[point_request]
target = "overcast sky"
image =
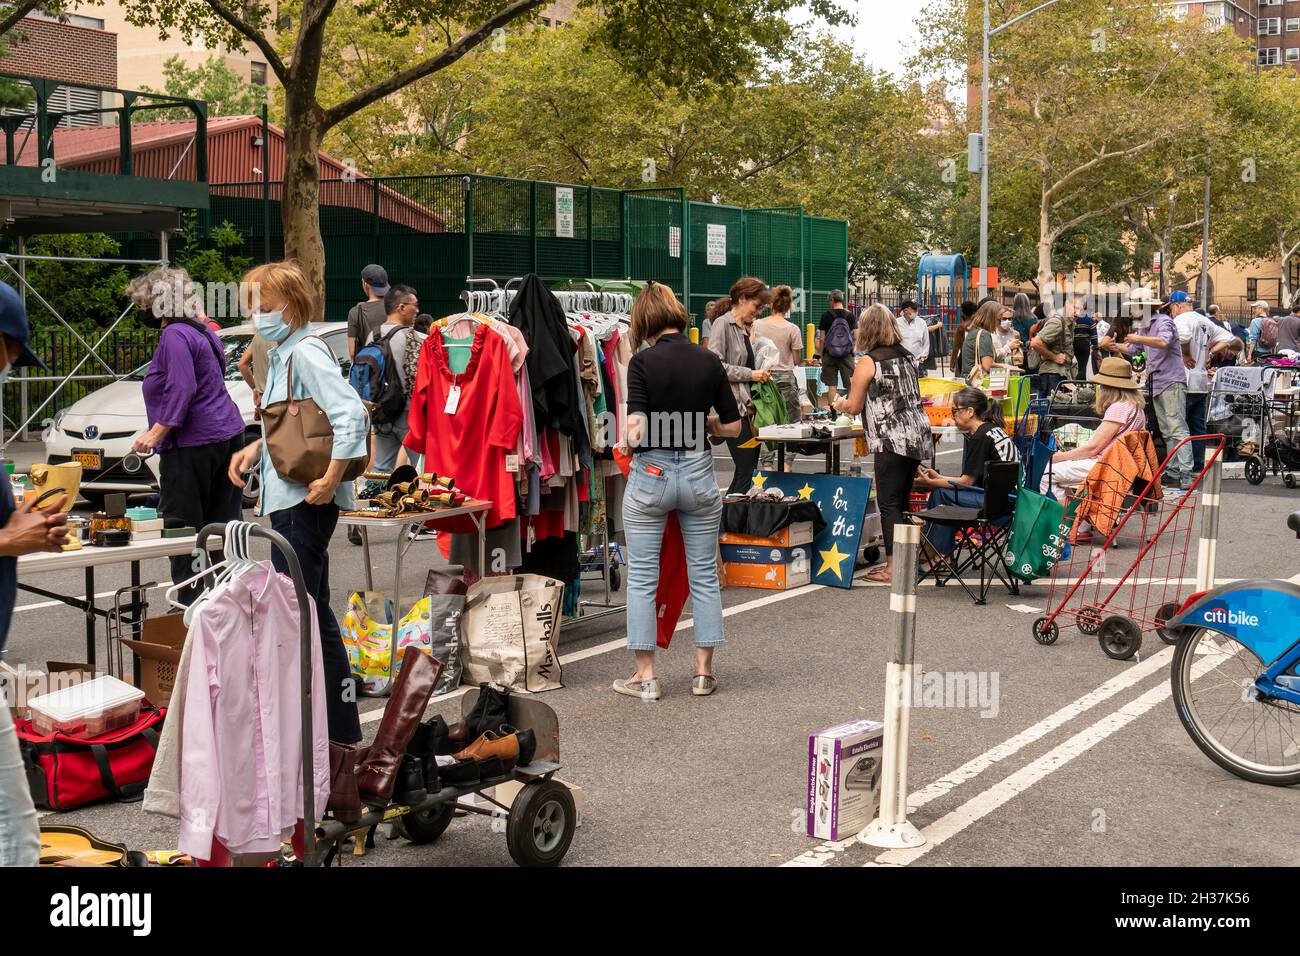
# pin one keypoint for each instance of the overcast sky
(886, 31)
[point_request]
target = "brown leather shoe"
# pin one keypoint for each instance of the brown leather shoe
(411, 693)
(345, 801)
(492, 745)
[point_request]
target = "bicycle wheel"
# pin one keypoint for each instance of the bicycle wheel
(1213, 680)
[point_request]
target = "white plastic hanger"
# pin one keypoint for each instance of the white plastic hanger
(236, 557)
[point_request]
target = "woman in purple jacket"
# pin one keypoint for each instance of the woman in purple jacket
(194, 424)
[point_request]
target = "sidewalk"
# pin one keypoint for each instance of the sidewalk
(24, 454)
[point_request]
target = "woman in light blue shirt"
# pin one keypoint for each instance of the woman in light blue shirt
(308, 514)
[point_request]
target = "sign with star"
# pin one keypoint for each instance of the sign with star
(843, 503)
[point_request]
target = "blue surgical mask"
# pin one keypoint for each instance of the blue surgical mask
(271, 325)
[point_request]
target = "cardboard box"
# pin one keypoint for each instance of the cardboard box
(146, 535)
(844, 764)
(159, 651)
(801, 532)
(751, 554)
(146, 524)
(771, 577)
(19, 683)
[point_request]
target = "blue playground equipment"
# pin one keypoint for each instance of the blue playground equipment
(941, 284)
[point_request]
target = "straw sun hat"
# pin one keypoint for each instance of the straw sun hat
(1116, 373)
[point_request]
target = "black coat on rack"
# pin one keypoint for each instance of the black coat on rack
(551, 372)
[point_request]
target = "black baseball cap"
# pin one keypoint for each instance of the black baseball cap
(376, 277)
(13, 323)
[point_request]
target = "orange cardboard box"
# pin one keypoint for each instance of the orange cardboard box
(801, 532)
(770, 577)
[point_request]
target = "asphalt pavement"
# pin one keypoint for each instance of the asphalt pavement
(1076, 759)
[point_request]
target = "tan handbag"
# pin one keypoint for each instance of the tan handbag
(300, 439)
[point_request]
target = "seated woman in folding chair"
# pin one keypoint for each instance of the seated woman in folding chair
(1121, 405)
(979, 419)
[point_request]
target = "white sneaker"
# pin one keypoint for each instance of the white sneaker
(644, 689)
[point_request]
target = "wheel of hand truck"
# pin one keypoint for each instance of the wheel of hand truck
(1289, 480)
(541, 824)
(425, 826)
(1255, 469)
(1089, 620)
(1046, 631)
(1168, 635)
(615, 579)
(1119, 637)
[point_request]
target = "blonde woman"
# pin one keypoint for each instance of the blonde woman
(885, 389)
(307, 514)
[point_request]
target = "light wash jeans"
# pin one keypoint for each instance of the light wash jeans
(688, 486)
(388, 442)
(20, 838)
(1171, 413)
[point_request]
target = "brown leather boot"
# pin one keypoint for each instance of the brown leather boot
(345, 801)
(411, 692)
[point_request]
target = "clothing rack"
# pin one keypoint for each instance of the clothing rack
(242, 531)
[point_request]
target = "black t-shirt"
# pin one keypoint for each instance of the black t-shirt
(675, 384)
(989, 443)
(364, 318)
(831, 315)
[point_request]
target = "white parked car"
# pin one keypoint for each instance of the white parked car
(99, 429)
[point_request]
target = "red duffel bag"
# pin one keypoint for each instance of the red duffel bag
(66, 772)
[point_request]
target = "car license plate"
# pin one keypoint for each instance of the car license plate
(87, 459)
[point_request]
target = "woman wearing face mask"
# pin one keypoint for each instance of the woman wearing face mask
(194, 424)
(1007, 343)
(307, 514)
(979, 419)
(729, 339)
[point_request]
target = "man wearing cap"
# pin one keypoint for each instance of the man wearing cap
(915, 332)
(365, 317)
(1258, 316)
(1288, 330)
(1157, 337)
(22, 531)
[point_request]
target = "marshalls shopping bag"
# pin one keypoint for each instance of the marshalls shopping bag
(512, 632)
(1039, 532)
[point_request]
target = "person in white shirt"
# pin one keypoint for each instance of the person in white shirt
(914, 331)
(1201, 338)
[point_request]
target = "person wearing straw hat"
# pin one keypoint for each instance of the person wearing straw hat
(1122, 409)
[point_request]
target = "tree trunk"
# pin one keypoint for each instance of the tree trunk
(1045, 241)
(300, 202)
(1286, 272)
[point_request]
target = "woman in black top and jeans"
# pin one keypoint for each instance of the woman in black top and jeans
(886, 390)
(672, 387)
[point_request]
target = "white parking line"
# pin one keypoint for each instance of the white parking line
(101, 594)
(825, 853)
(975, 809)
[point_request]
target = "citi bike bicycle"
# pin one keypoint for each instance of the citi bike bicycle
(1236, 676)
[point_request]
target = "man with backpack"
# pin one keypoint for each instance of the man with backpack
(1262, 333)
(382, 377)
(836, 333)
(1288, 331)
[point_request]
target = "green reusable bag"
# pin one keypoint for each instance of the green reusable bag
(1039, 534)
(769, 406)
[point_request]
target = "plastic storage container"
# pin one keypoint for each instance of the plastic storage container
(88, 709)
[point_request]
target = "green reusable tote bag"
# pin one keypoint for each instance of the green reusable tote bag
(1038, 534)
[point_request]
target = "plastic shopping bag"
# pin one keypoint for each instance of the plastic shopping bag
(512, 629)
(368, 638)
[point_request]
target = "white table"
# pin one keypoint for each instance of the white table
(33, 566)
(476, 511)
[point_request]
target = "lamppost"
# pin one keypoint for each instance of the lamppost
(989, 34)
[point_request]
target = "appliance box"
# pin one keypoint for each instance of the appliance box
(771, 577)
(801, 532)
(750, 554)
(844, 765)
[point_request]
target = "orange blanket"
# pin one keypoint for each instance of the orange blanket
(1124, 469)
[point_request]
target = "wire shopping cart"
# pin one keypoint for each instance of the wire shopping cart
(1149, 589)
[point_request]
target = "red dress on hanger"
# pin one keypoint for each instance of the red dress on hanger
(468, 437)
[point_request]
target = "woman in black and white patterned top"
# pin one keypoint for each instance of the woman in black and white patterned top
(886, 390)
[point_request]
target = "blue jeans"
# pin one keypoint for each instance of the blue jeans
(1171, 412)
(944, 539)
(1197, 403)
(20, 839)
(688, 486)
(388, 442)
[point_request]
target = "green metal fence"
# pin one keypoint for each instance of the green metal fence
(432, 232)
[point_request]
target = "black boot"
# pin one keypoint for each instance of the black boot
(488, 713)
(430, 740)
(409, 788)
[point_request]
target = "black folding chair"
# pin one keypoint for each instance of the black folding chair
(982, 535)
